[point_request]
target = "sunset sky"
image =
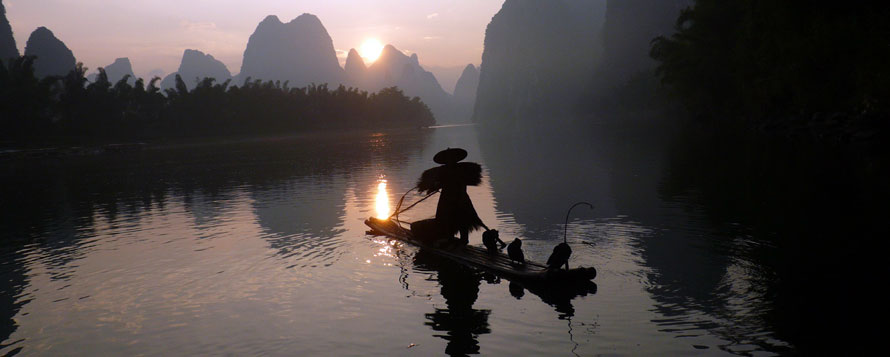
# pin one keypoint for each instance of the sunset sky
(154, 33)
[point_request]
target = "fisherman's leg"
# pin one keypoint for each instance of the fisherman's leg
(465, 236)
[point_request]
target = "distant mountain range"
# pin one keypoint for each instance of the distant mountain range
(465, 91)
(538, 56)
(53, 57)
(300, 53)
(194, 67)
(395, 69)
(542, 59)
(8, 48)
(354, 68)
(116, 71)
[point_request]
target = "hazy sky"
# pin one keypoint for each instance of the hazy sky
(154, 33)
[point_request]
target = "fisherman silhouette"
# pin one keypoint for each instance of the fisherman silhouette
(454, 212)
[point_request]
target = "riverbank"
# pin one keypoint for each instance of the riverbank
(68, 148)
(838, 128)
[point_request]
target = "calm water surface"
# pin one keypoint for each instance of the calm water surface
(259, 247)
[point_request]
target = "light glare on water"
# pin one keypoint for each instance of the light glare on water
(381, 201)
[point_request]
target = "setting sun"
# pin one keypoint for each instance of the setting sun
(370, 49)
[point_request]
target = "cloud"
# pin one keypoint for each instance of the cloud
(432, 16)
(197, 26)
(341, 56)
(430, 38)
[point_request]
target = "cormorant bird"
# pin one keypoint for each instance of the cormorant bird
(490, 240)
(514, 251)
(562, 251)
(560, 256)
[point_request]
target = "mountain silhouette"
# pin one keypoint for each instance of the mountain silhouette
(116, 71)
(538, 56)
(7, 42)
(630, 26)
(300, 51)
(465, 92)
(53, 57)
(196, 66)
(394, 68)
(355, 69)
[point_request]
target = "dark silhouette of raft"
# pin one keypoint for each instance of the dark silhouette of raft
(479, 257)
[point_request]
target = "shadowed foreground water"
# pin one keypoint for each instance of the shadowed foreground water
(258, 247)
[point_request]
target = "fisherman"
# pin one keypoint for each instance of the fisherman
(455, 212)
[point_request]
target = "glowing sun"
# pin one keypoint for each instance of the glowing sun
(370, 49)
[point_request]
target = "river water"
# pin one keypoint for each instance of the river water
(258, 247)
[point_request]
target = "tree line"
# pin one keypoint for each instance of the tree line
(781, 64)
(71, 108)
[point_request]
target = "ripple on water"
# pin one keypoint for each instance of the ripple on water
(243, 251)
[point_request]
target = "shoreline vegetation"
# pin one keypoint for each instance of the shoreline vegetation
(70, 111)
(794, 69)
(60, 149)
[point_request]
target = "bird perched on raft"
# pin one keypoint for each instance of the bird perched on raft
(491, 239)
(562, 252)
(560, 256)
(514, 251)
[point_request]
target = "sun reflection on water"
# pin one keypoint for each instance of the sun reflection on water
(387, 247)
(381, 201)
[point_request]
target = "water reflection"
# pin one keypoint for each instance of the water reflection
(67, 218)
(796, 216)
(381, 200)
(146, 253)
(459, 286)
(689, 270)
(558, 296)
(302, 219)
(461, 323)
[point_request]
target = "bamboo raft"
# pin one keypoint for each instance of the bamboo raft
(497, 262)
